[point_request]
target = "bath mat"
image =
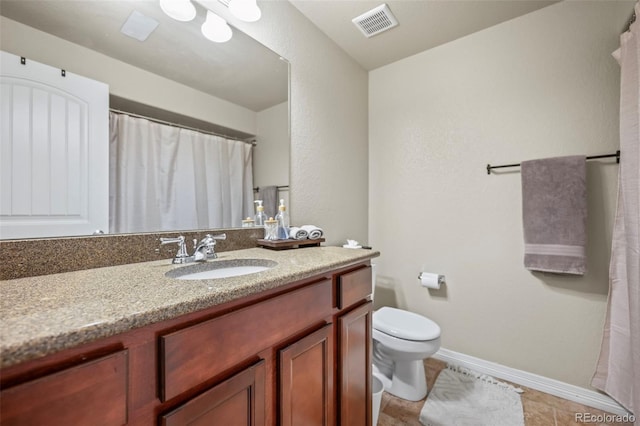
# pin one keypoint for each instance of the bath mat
(462, 397)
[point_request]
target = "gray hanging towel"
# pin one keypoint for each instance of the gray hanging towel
(554, 213)
(269, 197)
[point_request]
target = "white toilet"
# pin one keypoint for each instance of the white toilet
(401, 341)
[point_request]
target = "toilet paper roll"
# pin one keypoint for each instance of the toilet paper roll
(430, 280)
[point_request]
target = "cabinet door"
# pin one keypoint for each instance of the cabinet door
(238, 401)
(354, 366)
(306, 380)
(92, 393)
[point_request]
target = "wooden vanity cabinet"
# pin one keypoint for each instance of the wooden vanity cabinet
(296, 355)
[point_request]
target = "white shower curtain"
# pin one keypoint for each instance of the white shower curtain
(618, 370)
(167, 178)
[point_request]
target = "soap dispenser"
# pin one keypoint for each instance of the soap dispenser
(283, 221)
(260, 216)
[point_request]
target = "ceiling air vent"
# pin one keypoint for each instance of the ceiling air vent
(375, 21)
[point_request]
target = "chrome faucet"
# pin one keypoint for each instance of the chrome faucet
(204, 250)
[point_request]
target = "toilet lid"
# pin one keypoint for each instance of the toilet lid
(405, 324)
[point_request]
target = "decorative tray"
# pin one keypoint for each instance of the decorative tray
(288, 244)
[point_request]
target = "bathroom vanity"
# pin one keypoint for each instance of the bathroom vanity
(130, 345)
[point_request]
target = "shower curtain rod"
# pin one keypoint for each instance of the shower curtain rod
(593, 157)
(168, 123)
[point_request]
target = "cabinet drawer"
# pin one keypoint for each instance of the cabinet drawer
(354, 286)
(93, 393)
(193, 355)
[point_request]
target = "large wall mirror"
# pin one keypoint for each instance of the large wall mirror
(238, 90)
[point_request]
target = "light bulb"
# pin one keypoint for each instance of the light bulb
(180, 10)
(215, 28)
(245, 10)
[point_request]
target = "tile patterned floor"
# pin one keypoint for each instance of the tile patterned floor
(540, 409)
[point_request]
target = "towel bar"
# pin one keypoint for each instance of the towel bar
(593, 157)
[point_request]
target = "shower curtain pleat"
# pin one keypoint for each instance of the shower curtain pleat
(167, 178)
(618, 369)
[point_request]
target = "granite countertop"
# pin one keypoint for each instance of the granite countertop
(45, 314)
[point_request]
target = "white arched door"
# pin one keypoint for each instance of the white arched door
(54, 151)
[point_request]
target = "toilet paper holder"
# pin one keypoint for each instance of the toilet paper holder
(441, 279)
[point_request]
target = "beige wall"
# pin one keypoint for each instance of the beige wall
(271, 154)
(542, 85)
(329, 141)
(124, 80)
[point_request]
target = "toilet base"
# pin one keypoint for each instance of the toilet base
(406, 380)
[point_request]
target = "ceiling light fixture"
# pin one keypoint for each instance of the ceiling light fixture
(245, 10)
(216, 29)
(180, 10)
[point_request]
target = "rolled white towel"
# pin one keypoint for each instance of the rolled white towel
(314, 231)
(298, 233)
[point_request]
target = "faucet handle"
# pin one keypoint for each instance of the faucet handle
(218, 237)
(178, 240)
(182, 247)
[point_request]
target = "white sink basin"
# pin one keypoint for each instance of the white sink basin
(221, 269)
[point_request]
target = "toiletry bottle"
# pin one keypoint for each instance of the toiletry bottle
(283, 221)
(260, 216)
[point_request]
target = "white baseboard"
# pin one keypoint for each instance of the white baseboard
(557, 388)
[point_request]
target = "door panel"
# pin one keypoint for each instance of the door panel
(238, 401)
(306, 380)
(54, 153)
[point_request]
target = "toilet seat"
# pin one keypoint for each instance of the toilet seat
(405, 325)
(405, 345)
